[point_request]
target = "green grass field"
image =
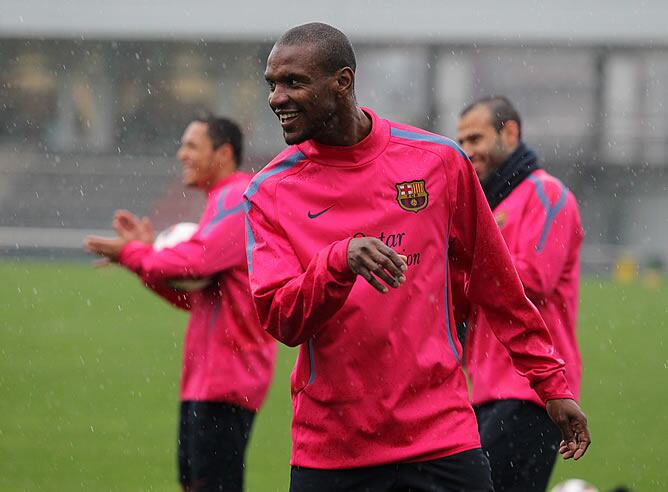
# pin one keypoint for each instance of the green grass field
(89, 366)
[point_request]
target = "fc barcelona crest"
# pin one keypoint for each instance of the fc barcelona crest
(412, 196)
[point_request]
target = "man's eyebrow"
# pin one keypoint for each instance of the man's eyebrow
(292, 75)
(282, 77)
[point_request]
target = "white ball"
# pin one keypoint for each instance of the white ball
(169, 238)
(174, 235)
(574, 485)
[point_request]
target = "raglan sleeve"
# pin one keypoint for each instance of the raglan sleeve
(477, 247)
(293, 301)
(549, 230)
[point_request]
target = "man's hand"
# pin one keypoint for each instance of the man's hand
(573, 424)
(373, 259)
(108, 247)
(128, 226)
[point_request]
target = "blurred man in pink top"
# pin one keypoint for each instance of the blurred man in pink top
(228, 359)
(350, 232)
(539, 220)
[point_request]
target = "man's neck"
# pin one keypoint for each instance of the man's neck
(349, 127)
(213, 182)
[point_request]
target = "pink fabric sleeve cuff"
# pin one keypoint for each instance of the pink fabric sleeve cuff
(132, 254)
(553, 388)
(337, 262)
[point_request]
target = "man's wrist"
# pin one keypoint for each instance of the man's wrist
(554, 387)
(338, 261)
(131, 253)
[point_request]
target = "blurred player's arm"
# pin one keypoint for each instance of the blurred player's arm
(217, 246)
(132, 230)
(479, 249)
(550, 229)
(292, 302)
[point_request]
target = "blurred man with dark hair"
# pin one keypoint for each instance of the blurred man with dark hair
(228, 359)
(540, 222)
(350, 232)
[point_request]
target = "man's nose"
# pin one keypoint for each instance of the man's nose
(277, 97)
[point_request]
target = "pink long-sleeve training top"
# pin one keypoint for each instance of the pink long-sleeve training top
(227, 357)
(540, 223)
(378, 377)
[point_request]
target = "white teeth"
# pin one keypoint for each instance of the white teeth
(286, 116)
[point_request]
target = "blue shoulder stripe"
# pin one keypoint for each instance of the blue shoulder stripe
(253, 188)
(448, 327)
(550, 210)
(425, 137)
(222, 212)
(284, 165)
(311, 378)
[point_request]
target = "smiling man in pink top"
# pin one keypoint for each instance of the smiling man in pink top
(349, 232)
(539, 220)
(228, 359)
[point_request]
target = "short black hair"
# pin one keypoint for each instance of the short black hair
(501, 110)
(224, 131)
(334, 47)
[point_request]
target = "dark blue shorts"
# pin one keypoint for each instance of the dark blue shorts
(521, 443)
(467, 471)
(212, 444)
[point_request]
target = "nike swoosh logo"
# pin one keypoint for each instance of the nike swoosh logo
(313, 216)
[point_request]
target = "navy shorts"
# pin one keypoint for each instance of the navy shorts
(521, 443)
(467, 471)
(211, 445)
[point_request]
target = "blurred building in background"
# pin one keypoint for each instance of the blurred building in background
(93, 102)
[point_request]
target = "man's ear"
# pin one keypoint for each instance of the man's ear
(345, 80)
(224, 153)
(510, 133)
